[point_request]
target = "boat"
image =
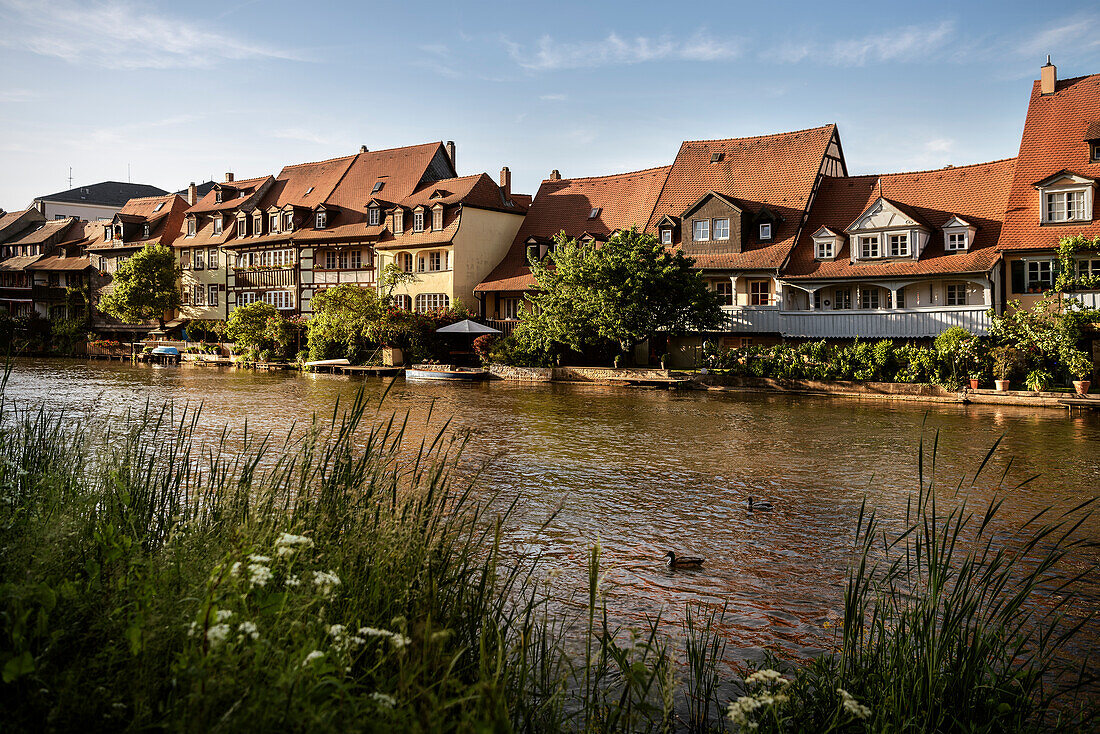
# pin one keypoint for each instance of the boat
(445, 372)
(162, 355)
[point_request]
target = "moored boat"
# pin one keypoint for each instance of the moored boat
(445, 372)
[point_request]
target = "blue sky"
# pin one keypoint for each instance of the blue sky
(188, 91)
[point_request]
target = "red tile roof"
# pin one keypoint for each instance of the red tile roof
(975, 193)
(1054, 138)
(625, 200)
(210, 203)
(777, 171)
(164, 224)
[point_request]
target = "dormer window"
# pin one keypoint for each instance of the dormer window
(716, 157)
(145, 231)
(1065, 206)
(869, 247)
(956, 241)
(899, 244)
(437, 218)
(273, 223)
(217, 225)
(242, 226)
(1094, 151)
(1065, 197)
(666, 236)
(240, 194)
(322, 217)
(191, 227)
(378, 186)
(700, 230)
(418, 221)
(765, 231)
(957, 235)
(595, 212)
(375, 216)
(721, 229)
(824, 248)
(398, 221)
(218, 196)
(288, 221)
(107, 234)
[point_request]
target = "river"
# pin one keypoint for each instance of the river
(643, 471)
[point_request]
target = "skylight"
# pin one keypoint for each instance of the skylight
(378, 186)
(595, 212)
(715, 157)
(309, 191)
(158, 207)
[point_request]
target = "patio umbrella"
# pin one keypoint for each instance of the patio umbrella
(467, 327)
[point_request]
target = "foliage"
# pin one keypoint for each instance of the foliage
(206, 330)
(621, 291)
(1039, 379)
(144, 287)
(519, 349)
(1066, 279)
(1047, 334)
(393, 276)
(65, 334)
(1008, 362)
(483, 347)
(260, 327)
(1079, 365)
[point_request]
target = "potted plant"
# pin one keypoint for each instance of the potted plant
(1039, 379)
(1006, 360)
(1080, 366)
(618, 360)
(975, 379)
(664, 361)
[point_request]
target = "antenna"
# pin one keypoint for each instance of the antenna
(70, 177)
(128, 173)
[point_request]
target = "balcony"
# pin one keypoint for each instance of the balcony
(15, 294)
(266, 278)
(49, 293)
(865, 324)
(334, 277)
(505, 326)
(1088, 299)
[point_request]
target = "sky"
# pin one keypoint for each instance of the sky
(168, 93)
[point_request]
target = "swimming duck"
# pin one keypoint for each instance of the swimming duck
(762, 506)
(687, 562)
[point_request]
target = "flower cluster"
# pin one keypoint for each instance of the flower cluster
(739, 711)
(326, 582)
(852, 706)
(342, 641)
(287, 544)
(397, 640)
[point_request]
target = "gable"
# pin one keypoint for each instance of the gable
(883, 214)
(711, 197)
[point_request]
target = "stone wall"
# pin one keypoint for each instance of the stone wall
(607, 375)
(521, 374)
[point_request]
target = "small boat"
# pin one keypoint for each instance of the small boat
(465, 374)
(163, 355)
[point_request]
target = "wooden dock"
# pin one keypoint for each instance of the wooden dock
(1080, 404)
(368, 370)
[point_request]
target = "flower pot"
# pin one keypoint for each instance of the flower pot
(973, 384)
(1082, 386)
(1001, 385)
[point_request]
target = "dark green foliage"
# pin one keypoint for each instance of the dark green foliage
(144, 287)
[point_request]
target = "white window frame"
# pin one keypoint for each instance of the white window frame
(765, 231)
(375, 216)
(212, 258)
(418, 221)
(288, 221)
(700, 227)
(212, 295)
(1034, 272)
(321, 221)
(431, 301)
(257, 226)
(666, 236)
(955, 294)
(273, 223)
(248, 297)
(197, 259)
(281, 300)
(198, 297)
(1055, 204)
(435, 261)
(510, 308)
(217, 225)
(824, 248)
(717, 226)
(437, 219)
(355, 259)
(904, 248)
(842, 299)
(145, 231)
(870, 298)
(1088, 267)
(962, 236)
(865, 246)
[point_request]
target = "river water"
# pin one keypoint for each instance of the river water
(642, 472)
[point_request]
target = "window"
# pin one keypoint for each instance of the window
(185, 296)
(700, 230)
(398, 221)
(403, 301)
(1039, 276)
(145, 231)
(355, 259)
(901, 298)
(869, 298)
(431, 301)
(434, 261)
(760, 292)
(1094, 152)
(242, 227)
(247, 297)
(765, 230)
(405, 260)
(282, 300)
(824, 249)
(106, 233)
(199, 297)
(191, 227)
(869, 247)
(1088, 268)
(375, 216)
(724, 289)
(595, 212)
(666, 236)
(257, 225)
(212, 258)
(509, 308)
(418, 221)
(342, 261)
(273, 223)
(842, 299)
(956, 241)
(198, 259)
(956, 294)
(212, 294)
(378, 186)
(899, 245)
(185, 259)
(1065, 206)
(437, 218)
(716, 157)
(288, 221)
(309, 191)
(322, 217)
(158, 207)
(217, 225)
(218, 196)
(721, 229)
(330, 260)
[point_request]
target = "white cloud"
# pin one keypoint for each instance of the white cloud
(551, 55)
(17, 95)
(120, 35)
(553, 97)
(1077, 32)
(910, 43)
(939, 145)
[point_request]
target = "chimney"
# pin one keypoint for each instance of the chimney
(1048, 77)
(363, 149)
(555, 175)
(192, 194)
(451, 154)
(229, 177)
(506, 182)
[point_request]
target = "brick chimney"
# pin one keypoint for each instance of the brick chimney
(506, 182)
(229, 177)
(555, 175)
(192, 194)
(451, 154)
(1048, 77)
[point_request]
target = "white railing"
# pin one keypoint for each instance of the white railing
(1089, 299)
(878, 323)
(332, 277)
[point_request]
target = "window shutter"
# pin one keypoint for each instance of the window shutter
(1018, 280)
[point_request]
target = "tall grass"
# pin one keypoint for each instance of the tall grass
(340, 579)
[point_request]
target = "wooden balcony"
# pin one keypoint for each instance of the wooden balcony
(15, 294)
(362, 276)
(266, 278)
(506, 326)
(866, 324)
(49, 293)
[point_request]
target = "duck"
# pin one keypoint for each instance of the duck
(686, 562)
(762, 506)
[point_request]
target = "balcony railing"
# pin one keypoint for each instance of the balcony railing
(266, 278)
(332, 277)
(49, 293)
(15, 294)
(506, 326)
(1089, 299)
(868, 324)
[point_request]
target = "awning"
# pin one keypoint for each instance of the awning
(467, 327)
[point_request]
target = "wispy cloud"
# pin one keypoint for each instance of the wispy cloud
(17, 95)
(302, 135)
(909, 43)
(1077, 32)
(553, 97)
(118, 34)
(549, 54)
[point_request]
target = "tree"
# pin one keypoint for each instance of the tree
(393, 276)
(345, 321)
(624, 291)
(248, 326)
(144, 287)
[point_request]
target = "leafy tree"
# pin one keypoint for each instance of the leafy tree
(393, 276)
(248, 326)
(346, 321)
(144, 287)
(624, 291)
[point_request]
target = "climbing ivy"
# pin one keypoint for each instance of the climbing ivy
(1067, 279)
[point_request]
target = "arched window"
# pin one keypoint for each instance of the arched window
(431, 301)
(403, 301)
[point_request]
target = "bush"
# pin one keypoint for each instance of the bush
(483, 347)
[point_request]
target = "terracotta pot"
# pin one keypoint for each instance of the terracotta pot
(973, 384)
(1081, 386)
(1001, 385)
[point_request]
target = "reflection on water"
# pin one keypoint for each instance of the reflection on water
(646, 471)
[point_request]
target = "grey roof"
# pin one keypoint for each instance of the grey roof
(467, 327)
(106, 193)
(203, 189)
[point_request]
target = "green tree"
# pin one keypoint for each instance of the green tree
(144, 287)
(393, 276)
(248, 326)
(1047, 334)
(346, 321)
(624, 291)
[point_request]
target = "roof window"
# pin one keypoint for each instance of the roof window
(158, 207)
(716, 157)
(378, 186)
(309, 191)
(595, 212)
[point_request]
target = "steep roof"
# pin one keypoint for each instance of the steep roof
(1054, 139)
(625, 200)
(777, 171)
(164, 223)
(42, 232)
(209, 202)
(106, 193)
(14, 223)
(975, 193)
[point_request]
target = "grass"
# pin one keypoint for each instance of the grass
(334, 580)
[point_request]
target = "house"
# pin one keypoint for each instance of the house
(63, 282)
(893, 255)
(585, 209)
(93, 202)
(1053, 191)
(18, 292)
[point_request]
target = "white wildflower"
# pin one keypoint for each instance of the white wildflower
(337, 630)
(248, 629)
(223, 614)
(767, 676)
(315, 655)
(217, 634)
(383, 700)
(396, 639)
(326, 582)
(258, 574)
(288, 544)
(235, 569)
(292, 582)
(193, 630)
(852, 706)
(255, 558)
